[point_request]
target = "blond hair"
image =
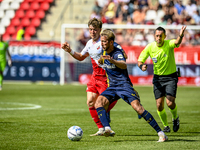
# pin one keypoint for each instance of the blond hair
(109, 34)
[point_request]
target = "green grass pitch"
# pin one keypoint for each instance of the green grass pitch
(37, 117)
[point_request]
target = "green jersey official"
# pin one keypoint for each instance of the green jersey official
(162, 57)
(165, 77)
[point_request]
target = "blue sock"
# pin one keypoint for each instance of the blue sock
(149, 118)
(102, 116)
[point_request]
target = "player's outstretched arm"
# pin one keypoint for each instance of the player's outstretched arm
(181, 35)
(66, 47)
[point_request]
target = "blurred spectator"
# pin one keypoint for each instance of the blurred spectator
(102, 3)
(140, 38)
(124, 12)
(83, 38)
(149, 12)
(162, 2)
(168, 17)
(178, 7)
(131, 7)
(143, 3)
(153, 4)
(97, 8)
(94, 14)
(190, 8)
(109, 11)
(196, 17)
(196, 39)
(139, 15)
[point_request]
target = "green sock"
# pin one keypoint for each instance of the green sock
(1, 79)
(174, 113)
(163, 117)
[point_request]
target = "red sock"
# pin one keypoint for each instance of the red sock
(95, 117)
(111, 106)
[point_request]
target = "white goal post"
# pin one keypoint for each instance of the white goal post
(65, 66)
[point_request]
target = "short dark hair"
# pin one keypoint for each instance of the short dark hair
(95, 23)
(160, 29)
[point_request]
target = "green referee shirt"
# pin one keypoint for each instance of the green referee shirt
(162, 57)
(3, 49)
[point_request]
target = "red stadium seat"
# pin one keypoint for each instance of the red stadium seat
(30, 31)
(10, 30)
(14, 36)
(40, 14)
(15, 21)
(49, 1)
(30, 14)
(19, 13)
(27, 37)
(6, 37)
(30, 1)
(35, 6)
(25, 22)
(19, 27)
(35, 22)
(24, 5)
(40, 1)
(44, 6)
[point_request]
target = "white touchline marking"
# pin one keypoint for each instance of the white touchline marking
(30, 106)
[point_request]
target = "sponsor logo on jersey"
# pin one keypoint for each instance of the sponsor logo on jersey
(98, 47)
(120, 56)
(112, 66)
(154, 60)
(118, 46)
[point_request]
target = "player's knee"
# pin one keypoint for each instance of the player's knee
(170, 98)
(137, 106)
(101, 102)
(160, 104)
(160, 107)
(98, 103)
(90, 103)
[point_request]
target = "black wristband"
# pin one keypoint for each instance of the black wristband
(141, 66)
(181, 36)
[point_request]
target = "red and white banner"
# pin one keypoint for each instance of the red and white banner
(183, 55)
(147, 80)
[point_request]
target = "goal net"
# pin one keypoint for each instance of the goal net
(133, 38)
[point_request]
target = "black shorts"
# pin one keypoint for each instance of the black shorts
(165, 85)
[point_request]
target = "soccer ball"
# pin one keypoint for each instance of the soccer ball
(75, 133)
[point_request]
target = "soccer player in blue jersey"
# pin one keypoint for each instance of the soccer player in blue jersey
(119, 86)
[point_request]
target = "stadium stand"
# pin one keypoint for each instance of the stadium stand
(78, 11)
(149, 12)
(43, 14)
(22, 14)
